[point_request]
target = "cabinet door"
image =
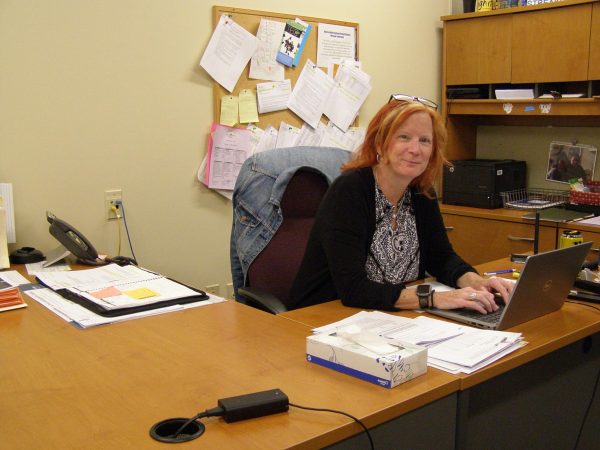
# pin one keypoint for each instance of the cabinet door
(551, 44)
(481, 240)
(594, 66)
(478, 50)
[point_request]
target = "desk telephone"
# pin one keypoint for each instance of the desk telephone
(79, 245)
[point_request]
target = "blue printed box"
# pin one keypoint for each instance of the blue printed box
(348, 357)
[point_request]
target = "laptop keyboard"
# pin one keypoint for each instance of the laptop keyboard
(492, 317)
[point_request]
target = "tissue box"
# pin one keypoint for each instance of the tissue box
(345, 356)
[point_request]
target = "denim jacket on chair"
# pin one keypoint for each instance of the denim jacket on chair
(257, 196)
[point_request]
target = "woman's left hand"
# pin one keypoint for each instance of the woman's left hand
(499, 285)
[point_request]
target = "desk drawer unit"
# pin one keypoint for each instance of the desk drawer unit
(479, 240)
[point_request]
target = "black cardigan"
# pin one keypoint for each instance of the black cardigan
(334, 262)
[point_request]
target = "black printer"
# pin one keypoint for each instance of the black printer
(479, 182)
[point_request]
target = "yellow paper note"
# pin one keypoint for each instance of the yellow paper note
(229, 110)
(140, 293)
(248, 108)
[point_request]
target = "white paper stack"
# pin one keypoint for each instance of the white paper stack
(454, 348)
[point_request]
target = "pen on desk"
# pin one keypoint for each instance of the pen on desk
(498, 272)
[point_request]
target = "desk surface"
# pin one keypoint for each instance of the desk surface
(105, 387)
(543, 335)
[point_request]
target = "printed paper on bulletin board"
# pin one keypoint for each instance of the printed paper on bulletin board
(250, 20)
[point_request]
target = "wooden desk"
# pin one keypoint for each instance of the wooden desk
(533, 398)
(104, 387)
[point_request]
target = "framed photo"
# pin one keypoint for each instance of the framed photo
(567, 161)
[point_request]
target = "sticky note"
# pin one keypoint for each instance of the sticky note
(106, 292)
(140, 293)
(247, 105)
(229, 110)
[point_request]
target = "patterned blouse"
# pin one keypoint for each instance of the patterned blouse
(394, 253)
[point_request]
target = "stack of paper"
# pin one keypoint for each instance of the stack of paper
(84, 318)
(112, 287)
(454, 348)
(514, 94)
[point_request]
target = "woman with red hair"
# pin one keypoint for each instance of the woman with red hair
(380, 227)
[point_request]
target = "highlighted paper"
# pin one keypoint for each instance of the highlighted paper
(229, 110)
(248, 110)
(141, 293)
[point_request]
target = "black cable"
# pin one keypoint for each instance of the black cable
(583, 304)
(218, 411)
(127, 231)
(344, 414)
(587, 410)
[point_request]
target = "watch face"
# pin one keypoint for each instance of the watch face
(423, 289)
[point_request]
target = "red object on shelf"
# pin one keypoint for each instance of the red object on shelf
(586, 198)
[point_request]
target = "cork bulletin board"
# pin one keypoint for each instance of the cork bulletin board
(250, 20)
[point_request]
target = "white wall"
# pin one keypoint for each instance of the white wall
(97, 95)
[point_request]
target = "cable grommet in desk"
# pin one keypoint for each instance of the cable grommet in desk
(163, 430)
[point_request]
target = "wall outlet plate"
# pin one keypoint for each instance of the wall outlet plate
(110, 197)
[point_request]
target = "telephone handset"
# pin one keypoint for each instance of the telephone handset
(79, 246)
(73, 241)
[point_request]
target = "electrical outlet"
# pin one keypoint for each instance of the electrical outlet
(110, 198)
(229, 289)
(212, 289)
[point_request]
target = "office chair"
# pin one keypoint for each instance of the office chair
(271, 274)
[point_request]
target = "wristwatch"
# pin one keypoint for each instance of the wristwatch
(425, 294)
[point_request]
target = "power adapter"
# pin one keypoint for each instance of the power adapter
(257, 404)
(231, 409)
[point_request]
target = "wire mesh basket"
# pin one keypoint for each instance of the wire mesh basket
(534, 198)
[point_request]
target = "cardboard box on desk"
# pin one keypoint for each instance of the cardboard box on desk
(348, 357)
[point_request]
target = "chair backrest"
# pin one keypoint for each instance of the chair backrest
(275, 268)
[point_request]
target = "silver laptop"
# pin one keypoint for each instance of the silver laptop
(542, 288)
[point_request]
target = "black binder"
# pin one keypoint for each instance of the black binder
(104, 312)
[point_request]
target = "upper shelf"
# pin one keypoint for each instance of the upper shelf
(532, 107)
(516, 9)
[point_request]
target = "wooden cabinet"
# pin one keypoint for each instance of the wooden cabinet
(594, 65)
(478, 240)
(553, 46)
(483, 235)
(473, 56)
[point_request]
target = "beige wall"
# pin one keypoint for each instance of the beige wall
(531, 144)
(97, 95)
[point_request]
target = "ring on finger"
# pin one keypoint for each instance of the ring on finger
(472, 295)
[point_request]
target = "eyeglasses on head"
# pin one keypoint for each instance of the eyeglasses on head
(409, 98)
